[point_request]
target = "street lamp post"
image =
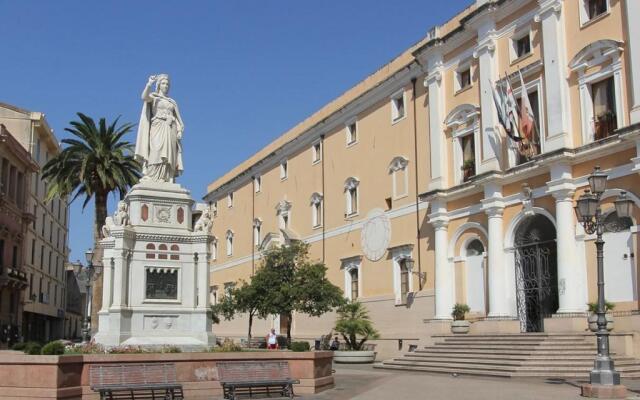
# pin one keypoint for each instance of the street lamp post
(88, 274)
(589, 214)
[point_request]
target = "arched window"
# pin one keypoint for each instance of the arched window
(229, 243)
(463, 125)
(257, 228)
(175, 248)
(399, 176)
(162, 247)
(151, 251)
(316, 210)
(475, 248)
(351, 196)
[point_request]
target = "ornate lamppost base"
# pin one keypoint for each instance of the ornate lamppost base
(604, 391)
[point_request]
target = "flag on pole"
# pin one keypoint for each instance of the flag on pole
(500, 100)
(512, 110)
(527, 119)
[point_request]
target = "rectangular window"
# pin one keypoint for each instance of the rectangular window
(604, 108)
(35, 214)
(44, 222)
(316, 152)
(1, 254)
(352, 201)
(214, 250)
(256, 235)
(354, 284)
(20, 191)
(468, 157)
(15, 257)
(38, 150)
(284, 170)
(162, 285)
(464, 78)
(13, 180)
(316, 214)
(229, 245)
(33, 251)
(36, 184)
(352, 133)
(257, 183)
(41, 256)
(214, 208)
(523, 46)
(596, 8)
(404, 281)
(230, 200)
(397, 107)
(5, 176)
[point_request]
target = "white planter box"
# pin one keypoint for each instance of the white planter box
(354, 357)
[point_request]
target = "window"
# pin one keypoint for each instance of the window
(399, 177)
(532, 147)
(257, 227)
(599, 69)
(214, 208)
(397, 107)
(257, 184)
(464, 78)
(214, 249)
(592, 9)
(351, 196)
(228, 288)
(12, 183)
(33, 251)
(463, 125)
(284, 170)
(230, 200)
(316, 210)
(354, 283)
(229, 243)
(41, 256)
(283, 210)
(1, 253)
(38, 150)
(352, 278)
(468, 157)
(316, 151)
(4, 182)
(352, 133)
(404, 280)
(522, 46)
(604, 108)
(213, 295)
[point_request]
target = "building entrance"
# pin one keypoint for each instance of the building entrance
(536, 272)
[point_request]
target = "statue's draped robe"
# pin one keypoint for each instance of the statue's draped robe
(157, 141)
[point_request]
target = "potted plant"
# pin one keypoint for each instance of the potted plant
(356, 328)
(459, 325)
(593, 316)
(468, 168)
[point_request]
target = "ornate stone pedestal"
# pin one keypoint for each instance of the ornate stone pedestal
(156, 280)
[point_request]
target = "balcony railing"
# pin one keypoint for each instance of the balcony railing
(604, 125)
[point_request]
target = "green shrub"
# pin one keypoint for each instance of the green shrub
(459, 310)
(53, 348)
(228, 346)
(19, 346)
(32, 348)
(170, 349)
(608, 306)
(300, 346)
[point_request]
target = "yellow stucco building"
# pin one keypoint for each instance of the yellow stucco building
(409, 190)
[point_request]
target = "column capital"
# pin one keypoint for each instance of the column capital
(547, 8)
(562, 189)
(494, 211)
(440, 223)
(485, 45)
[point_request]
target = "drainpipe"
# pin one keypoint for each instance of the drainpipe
(253, 219)
(323, 154)
(415, 153)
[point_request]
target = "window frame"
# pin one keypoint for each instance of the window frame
(513, 44)
(229, 243)
(351, 134)
(284, 170)
(457, 81)
(395, 109)
(352, 184)
(257, 183)
(348, 265)
(398, 254)
(585, 20)
(230, 200)
(316, 152)
(398, 166)
(257, 232)
(317, 214)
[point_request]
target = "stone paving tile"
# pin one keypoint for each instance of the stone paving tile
(364, 383)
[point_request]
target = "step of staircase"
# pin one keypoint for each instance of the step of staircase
(510, 355)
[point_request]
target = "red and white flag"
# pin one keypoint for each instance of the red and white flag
(527, 119)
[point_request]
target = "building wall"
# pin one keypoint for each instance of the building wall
(441, 213)
(46, 238)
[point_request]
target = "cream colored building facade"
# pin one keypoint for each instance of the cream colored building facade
(45, 251)
(374, 180)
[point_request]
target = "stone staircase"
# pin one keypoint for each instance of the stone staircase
(510, 356)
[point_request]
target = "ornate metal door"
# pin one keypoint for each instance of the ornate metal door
(536, 274)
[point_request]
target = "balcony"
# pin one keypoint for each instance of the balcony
(604, 125)
(13, 277)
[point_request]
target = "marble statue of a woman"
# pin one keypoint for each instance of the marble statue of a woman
(158, 145)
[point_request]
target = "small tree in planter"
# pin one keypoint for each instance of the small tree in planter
(459, 325)
(468, 168)
(356, 328)
(593, 316)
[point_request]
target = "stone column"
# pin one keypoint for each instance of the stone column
(493, 206)
(444, 273)
(107, 280)
(571, 274)
(554, 47)
(118, 270)
(437, 140)
(632, 10)
(487, 59)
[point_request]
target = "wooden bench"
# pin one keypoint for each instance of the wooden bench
(135, 381)
(263, 378)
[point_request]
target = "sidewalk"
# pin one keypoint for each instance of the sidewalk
(362, 382)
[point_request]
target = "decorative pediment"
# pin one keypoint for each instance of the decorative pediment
(596, 53)
(257, 222)
(283, 206)
(316, 198)
(351, 183)
(270, 239)
(463, 115)
(398, 163)
(229, 234)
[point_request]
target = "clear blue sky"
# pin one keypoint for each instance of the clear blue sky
(243, 72)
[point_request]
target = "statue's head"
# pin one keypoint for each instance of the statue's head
(122, 206)
(163, 84)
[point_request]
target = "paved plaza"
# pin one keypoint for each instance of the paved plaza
(362, 382)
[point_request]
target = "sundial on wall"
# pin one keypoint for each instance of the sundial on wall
(375, 235)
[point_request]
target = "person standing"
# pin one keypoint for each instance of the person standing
(272, 340)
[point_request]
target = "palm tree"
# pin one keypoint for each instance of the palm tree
(95, 163)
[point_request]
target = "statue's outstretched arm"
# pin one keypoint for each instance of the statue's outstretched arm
(146, 93)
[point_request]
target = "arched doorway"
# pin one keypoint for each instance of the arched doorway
(475, 255)
(536, 272)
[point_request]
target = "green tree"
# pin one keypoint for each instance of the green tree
(248, 299)
(355, 325)
(290, 282)
(94, 163)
